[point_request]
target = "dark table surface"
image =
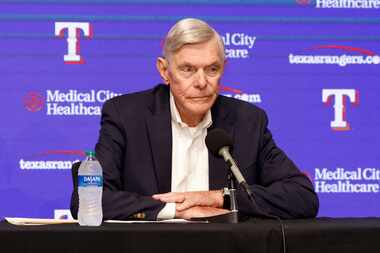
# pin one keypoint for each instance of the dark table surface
(322, 235)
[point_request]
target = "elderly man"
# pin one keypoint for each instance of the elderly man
(152, 143)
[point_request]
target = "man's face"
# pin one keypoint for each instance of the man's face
(193, 74)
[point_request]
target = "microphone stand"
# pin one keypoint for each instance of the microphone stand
(233, 215)
(233, 204)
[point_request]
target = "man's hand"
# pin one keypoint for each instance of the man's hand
(186, 200)
(200, 211)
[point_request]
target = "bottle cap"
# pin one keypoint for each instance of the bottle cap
(90, 153)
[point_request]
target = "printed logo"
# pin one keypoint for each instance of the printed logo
(348, 4)
(238, 45)
(341, 180)
(365, 56)
(303, 2)
(70, 102)
(33, 101)
(73, 42)
(86, 181)
(342, 4)
(340, 123)
(57, 160)
(252, 98)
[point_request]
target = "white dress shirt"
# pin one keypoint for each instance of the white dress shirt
(189, 157)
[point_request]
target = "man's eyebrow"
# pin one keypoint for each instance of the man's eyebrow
(185, 63)
(216, 62)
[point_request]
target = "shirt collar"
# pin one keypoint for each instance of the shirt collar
(176, 117)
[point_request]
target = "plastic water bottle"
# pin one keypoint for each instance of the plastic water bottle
(90, 189)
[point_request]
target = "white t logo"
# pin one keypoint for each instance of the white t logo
(339, 123)
(73, 30)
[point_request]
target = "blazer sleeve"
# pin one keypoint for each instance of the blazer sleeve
(283, 190)
(110, 149)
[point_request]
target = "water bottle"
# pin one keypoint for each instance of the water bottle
(90, 189)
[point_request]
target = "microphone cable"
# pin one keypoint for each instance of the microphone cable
(282, 226)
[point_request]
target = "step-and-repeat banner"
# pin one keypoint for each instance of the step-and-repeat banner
(314, 66)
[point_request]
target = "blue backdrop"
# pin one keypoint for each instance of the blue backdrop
(312, 65)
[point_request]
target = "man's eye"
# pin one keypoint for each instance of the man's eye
(212, 70)
(187, 69)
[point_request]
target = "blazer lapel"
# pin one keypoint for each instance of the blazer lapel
(218, 169)
(159, 128)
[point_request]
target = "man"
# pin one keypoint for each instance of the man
(152, 150)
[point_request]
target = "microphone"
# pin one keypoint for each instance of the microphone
(219, 144)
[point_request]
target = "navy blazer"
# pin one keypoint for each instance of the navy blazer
(135, 149)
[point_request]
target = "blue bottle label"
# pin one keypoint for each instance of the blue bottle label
(84, 181)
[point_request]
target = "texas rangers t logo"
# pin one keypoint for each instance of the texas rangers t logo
(339, 123)
(73, 43)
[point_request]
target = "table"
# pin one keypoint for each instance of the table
(343, 235)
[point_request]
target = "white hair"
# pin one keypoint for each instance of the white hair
(190, 31)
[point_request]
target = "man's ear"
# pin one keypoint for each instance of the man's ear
(162, 67)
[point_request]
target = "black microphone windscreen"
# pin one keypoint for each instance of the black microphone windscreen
(217, 139)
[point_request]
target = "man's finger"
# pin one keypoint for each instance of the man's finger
(157, 196)
(162, 196)
(184, 205)
(177, 198)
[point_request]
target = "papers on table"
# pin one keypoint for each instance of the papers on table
(159, 221)
(38, 221)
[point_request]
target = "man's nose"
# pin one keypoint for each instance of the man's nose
(201, 81)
